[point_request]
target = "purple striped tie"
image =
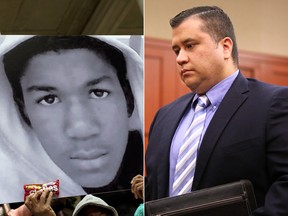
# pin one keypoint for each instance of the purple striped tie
(186, 161)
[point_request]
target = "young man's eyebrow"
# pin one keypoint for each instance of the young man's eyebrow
(98, 80)
(40, 88)
(50, 88)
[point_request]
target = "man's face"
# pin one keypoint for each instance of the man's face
(200, 59)
(78, 111)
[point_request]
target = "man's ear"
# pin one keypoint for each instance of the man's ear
(227, 45)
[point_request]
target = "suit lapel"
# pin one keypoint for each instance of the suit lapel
(229, 105)
(170, 125)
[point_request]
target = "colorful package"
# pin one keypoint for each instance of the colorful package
(51, 186)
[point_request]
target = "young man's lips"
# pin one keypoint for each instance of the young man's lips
(82, 155)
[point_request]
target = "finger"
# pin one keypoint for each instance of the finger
(138, 183)
(40, 197)
(49, 198)
(138, 180)
(35, 197)
(139, 193)
(44, 196)
(137, 187)
(133, 188)
(136, 177)
(134, 191)
(139, 177)
(133, 179)
(28, 202)
(28, 198)
(136, 195)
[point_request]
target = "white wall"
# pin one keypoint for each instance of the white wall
(260, 25)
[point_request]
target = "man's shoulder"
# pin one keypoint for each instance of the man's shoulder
(183, 99)
(176, 106)
(260, 86)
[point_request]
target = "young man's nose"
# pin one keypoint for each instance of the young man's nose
(182, 57)
(80, 122)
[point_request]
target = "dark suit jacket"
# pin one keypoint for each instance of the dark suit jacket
(246, 139)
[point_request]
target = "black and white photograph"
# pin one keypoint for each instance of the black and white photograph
(71, 110)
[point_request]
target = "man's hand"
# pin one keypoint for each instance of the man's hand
(137, 185)
(39, 203)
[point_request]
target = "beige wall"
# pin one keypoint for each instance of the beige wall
(260, 25)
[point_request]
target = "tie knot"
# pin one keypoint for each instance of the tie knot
(203, 101)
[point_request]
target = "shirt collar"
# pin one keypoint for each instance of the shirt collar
(217, 92)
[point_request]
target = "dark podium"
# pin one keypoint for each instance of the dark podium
(232, 199)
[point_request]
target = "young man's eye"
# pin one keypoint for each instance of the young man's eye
(98, 93)
(48, 100)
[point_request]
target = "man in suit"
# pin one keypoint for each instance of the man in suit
(245, 131)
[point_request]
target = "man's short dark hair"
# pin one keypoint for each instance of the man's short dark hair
(16, 61)
(216, 23)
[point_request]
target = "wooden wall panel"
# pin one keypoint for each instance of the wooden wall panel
(267, 68)
(276, 74)
(152, 94)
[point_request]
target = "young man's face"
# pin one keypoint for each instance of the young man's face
(78, 110)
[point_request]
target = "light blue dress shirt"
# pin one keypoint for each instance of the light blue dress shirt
(215, 96)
